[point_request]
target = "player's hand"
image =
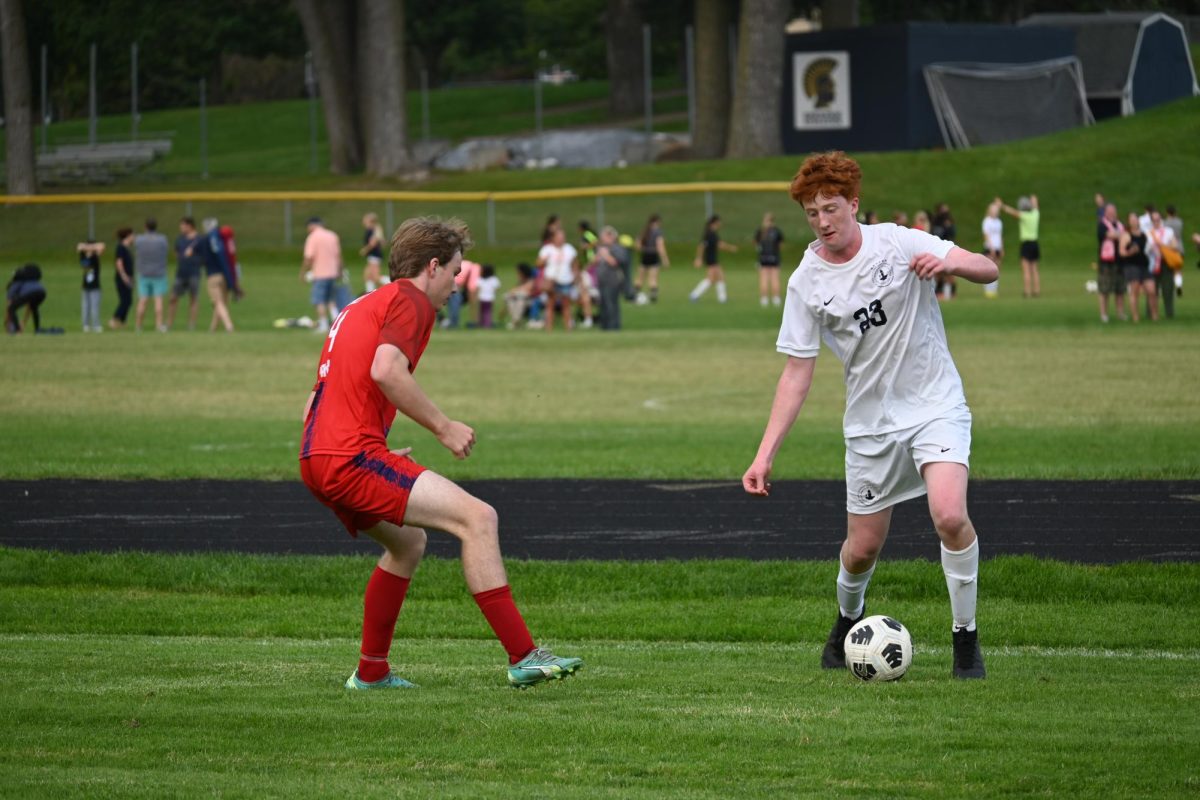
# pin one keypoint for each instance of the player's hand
(927, 265)
(458, 438)
(403, 451)
(755, 480)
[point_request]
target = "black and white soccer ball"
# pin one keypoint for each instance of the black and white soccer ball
(878, 648)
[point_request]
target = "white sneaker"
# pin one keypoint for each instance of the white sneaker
(587, 322)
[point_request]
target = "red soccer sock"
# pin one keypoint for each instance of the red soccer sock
(381, 606)
(501, 612)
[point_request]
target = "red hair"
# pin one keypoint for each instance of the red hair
(830, 174)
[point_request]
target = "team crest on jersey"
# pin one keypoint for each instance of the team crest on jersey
(867, 494)
(883, 273)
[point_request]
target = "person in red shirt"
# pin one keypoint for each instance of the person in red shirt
(364, 375)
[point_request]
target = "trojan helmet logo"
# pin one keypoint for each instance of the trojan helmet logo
(818, 82)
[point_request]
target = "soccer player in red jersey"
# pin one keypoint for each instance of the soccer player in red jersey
(363, 377)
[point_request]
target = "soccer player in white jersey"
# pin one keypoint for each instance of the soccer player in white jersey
(867, 292)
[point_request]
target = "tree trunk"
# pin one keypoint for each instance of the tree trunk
(754, 127)
(329, 29)
(381, 101)
(713, 18)
(626, 70)
(18, 109)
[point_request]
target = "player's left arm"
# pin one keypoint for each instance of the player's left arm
(960, 263)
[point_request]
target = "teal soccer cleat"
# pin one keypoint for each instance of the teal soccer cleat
(389, 681)
(540, 666)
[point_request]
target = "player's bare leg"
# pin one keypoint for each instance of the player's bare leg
(403, 548)
(946, 485)
(436, 502)
(865, 535)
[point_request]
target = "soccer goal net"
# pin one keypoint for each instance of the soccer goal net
(992, 103)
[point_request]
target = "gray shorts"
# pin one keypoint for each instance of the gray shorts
(186, 284)
(882, 471)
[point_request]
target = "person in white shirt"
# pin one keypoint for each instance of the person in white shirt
(1169, 281)
(993, 245)
(867, 292)
(559, 263)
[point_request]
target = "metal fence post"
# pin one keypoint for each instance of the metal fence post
(599, 211)
(45, 111)
(133, 91)
(648, 85)
(491, 220)
(203, 132)
(689, 46)
(92, 95)
(708, 204)
(287, 222)
(92, 221)
(389, 214)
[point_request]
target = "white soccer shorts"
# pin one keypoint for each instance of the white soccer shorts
(882, 471)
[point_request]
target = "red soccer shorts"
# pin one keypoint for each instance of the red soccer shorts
(362, 490)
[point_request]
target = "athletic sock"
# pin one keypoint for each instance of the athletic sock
(851, 589)
(701, 288)
(381, 606)
(962, 579)
(722, 296)
(762, 301)
(501, 612)
(369, 286)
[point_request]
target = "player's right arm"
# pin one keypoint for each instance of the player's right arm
(790, 394)
(389, 370)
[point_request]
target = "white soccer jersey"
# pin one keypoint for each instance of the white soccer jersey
(884, 325)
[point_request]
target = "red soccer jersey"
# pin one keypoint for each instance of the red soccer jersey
(349, 413)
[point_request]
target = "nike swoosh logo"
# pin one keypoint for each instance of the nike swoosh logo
(830, 300)
(944, 449)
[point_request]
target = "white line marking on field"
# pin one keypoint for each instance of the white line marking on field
(133, 519)
(687, 487)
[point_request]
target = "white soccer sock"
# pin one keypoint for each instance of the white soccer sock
(962, 579)
(701, 288)
(722, 296)
(370, 286)
(762, 301)
(851, 589)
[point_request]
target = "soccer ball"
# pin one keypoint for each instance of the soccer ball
(878, 649)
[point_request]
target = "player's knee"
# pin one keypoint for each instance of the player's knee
(482, 521)
(860, 555)
(950, 522)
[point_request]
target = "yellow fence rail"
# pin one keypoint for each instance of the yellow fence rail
(489, 199)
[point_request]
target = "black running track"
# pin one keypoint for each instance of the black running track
(1093, 521)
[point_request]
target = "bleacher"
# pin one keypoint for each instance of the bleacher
(99, 163)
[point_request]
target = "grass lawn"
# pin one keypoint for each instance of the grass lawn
(139, 676)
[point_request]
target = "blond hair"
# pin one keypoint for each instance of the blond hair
(421, 239)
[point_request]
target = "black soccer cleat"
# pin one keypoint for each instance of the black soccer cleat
(968, 658)
(834, 654)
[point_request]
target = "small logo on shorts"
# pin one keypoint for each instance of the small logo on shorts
(882, 273)
(867, 494)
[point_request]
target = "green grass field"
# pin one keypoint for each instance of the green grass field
(149, 676)
(138, 675)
